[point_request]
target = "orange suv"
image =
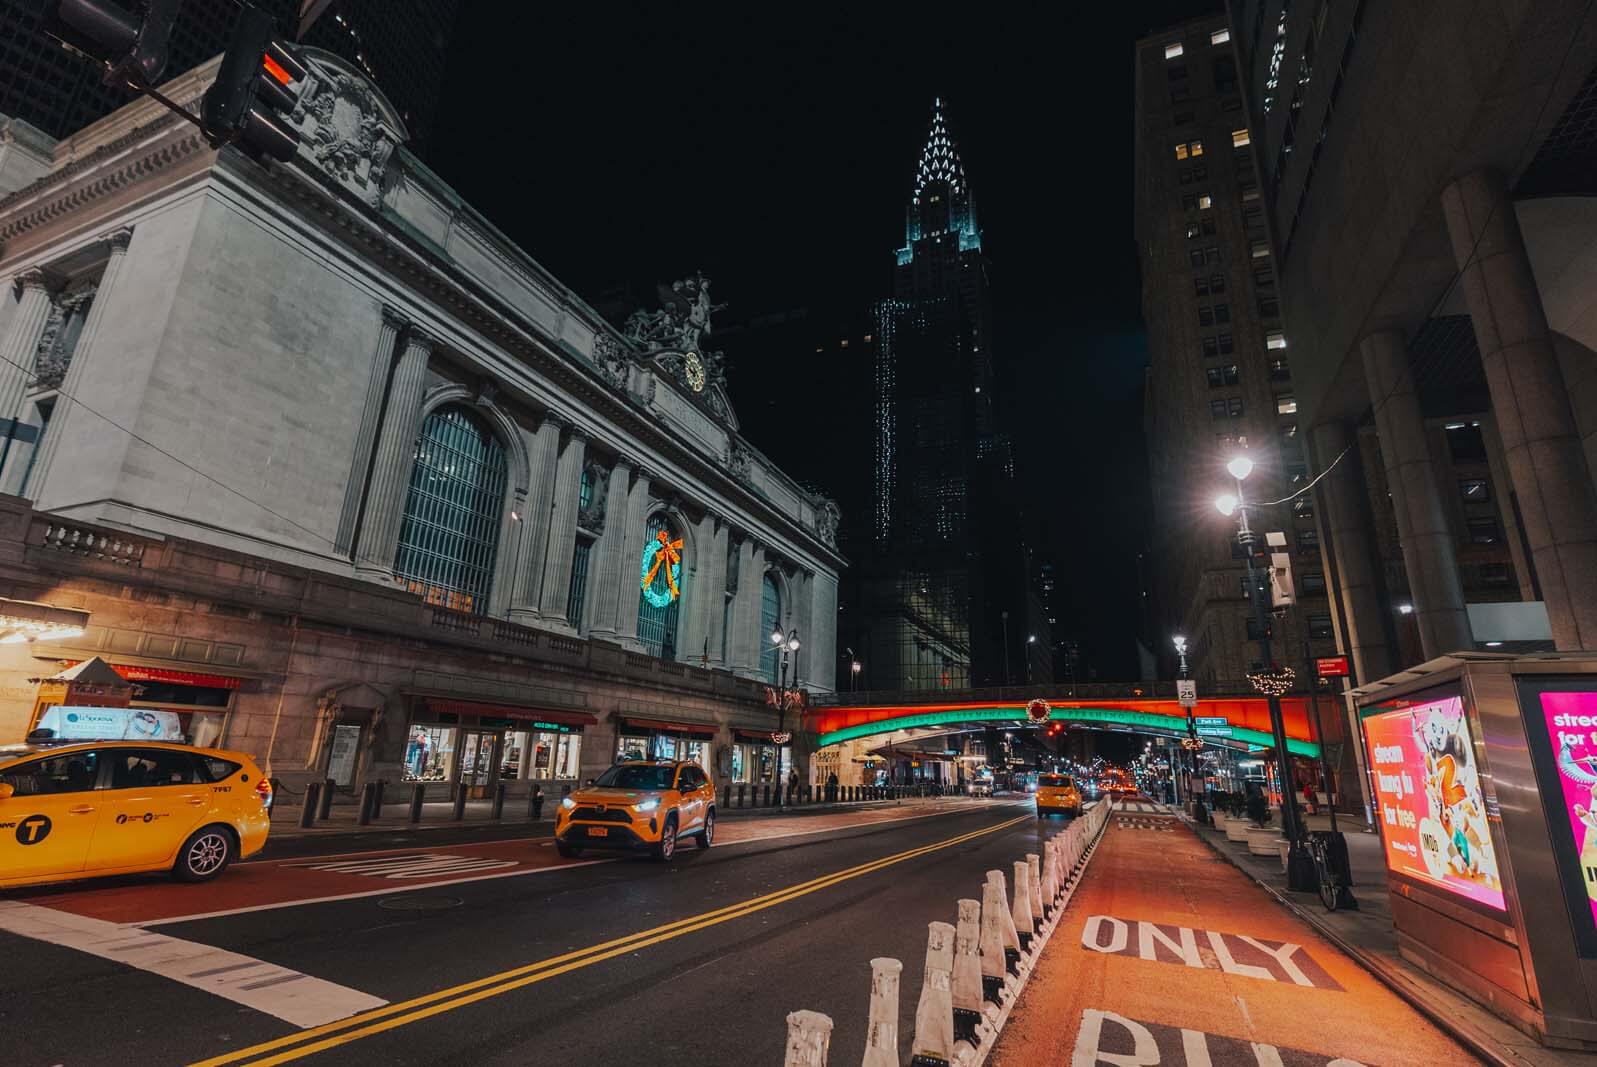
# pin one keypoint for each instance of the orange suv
(639, 804)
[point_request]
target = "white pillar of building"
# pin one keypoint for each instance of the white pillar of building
(637, 517)
(699, 593)
(66, 414)
(371, 414)
(563, 531)
(716, 594)
(1530, 402)
(1348, 551)
(609, 566)
(21, 342)
(543, 452)
(377, 541)
(1429, 556)
(802, 619)
(749, 633)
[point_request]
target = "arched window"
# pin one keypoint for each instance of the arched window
(450, 533)
(657, 627)
(770, 619)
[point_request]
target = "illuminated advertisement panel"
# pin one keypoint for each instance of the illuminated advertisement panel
(1428, 795)
(1561, 723)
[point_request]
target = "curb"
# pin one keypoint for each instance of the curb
(1406, 987)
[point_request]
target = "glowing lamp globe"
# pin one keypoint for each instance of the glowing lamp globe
(1240, 467)
(1226, 502)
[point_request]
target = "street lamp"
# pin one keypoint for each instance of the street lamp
(1190, 744)
(1300, 866)
(1031, 639)
(789, 644)
(853, 671)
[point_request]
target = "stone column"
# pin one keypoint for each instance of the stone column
(563, 530)
(65, 414)
(697, 593)
(378, 538)
(749, 637)
(637, 515)
(371, 414)
(543, 449)
(1502, 497)
(1428, 547)
(609, 566)
(802, 618)
(21, 341)
(716, 596)
(1350, 553)
(1530, 403)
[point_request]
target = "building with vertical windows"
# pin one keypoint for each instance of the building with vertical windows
(945, 591)
(1221, 375)
(347, 480)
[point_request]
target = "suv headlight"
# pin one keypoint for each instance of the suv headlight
(567, 803)
(646, 805)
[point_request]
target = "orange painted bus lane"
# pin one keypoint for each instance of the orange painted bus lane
(285, 883)
(1168, 955)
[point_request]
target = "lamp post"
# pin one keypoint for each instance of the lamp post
(1006, 647)
(789, 644)
(1190, 744)
(1300, 866)
(1031, 639)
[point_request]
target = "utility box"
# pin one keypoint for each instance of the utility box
(1483, 770)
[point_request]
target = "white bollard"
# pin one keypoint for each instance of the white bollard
(809, 1036)
(1007, 919)
(1020, 906)
(881, 1036)
(965, 986)
(934, 1015)
(1050, 875)
(994, 951)
(1034, 882)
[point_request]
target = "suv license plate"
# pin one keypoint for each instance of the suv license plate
(598, 831)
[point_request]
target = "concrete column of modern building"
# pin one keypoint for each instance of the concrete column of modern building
(1349, 551)
(608, 562)
(1530, 402)
(1429, 556)
(563, 531)
(21, 341)
(378, 537)
(371, 414)
(633, 533)
(543, 452)
(86, 354)
(1507, 514)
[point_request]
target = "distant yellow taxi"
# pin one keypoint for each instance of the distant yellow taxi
(121, 807)
(639, 804)
(1057, 793)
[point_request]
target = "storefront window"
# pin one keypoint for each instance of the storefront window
(663, 747)
(429, 754)
(515, 763)
(740, 763)
(632, 748)
(695, 752)
(765, 763)
(568, 754)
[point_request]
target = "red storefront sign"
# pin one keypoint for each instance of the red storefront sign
(161, 674)
(1331, 667)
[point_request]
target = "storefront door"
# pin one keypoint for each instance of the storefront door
(478, 760)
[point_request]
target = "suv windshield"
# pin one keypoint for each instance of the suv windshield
(636, 777)
(1054, 781)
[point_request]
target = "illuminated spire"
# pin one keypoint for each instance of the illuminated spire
(939, 160)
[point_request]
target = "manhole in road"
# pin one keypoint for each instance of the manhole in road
(416, 903)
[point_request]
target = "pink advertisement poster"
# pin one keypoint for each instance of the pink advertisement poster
(1571, 720)
(1428, 793)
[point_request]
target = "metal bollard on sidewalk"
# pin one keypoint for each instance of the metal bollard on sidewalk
(460, 802)
(418, 793)
(325, 808)
(965, 986)
(313, 797)
(881, 1033)
(934, 1015)
(368, 799)
(809, 1037)
(499, 801)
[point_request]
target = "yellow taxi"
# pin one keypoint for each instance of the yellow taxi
(1057, 792)
(121, 807)
(639, 804)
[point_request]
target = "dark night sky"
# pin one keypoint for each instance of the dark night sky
(773, 147)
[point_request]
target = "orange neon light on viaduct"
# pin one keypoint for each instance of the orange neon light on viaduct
(1247, 717)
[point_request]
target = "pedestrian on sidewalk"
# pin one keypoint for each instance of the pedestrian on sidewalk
(1308, 797)
(537, 802)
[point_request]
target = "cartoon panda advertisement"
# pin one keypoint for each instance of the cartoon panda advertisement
(1571, 720)
(1432, 810)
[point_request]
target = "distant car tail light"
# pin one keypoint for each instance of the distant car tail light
(263, 789)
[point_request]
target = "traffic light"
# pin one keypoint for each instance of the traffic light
(247, 104)
(132, 47)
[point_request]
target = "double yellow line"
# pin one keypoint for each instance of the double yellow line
(321, 1038)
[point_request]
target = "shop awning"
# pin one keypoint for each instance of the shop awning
(510, 711)
(746, 734)
(704, 729)
(131, 673)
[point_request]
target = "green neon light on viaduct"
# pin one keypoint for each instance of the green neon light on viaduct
(1118, 716)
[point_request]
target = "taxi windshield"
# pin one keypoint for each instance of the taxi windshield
(637, 777)
(1054, 781)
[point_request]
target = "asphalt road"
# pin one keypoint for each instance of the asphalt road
(697, 961)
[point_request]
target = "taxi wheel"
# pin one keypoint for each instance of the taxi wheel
(707, 835)
(666, 847)
(568, 851)
(204, 855)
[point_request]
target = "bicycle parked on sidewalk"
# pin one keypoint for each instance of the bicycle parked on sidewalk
(1333, 873)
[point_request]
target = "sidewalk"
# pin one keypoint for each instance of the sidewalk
(1367, 935)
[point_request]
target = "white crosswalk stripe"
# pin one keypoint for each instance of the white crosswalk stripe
(411, 865)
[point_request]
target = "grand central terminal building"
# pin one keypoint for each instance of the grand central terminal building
(344, 479)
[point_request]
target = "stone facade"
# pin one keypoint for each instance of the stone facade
(234, 370)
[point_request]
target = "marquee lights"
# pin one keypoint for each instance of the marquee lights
(1274, 682)
(661, 556)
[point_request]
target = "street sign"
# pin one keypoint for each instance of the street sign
(1214, 731)
(1211, 721)
(1187, 692)
(1331, 666)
